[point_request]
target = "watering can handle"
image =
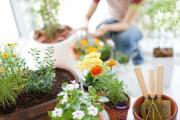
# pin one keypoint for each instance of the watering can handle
(151, 82)
(160, 80)
(141, 81)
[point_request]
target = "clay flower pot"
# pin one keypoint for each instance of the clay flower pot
(38, 111)
(139, 101)
(118, 113)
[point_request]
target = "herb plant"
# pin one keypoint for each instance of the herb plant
(12, 82)
(41, 80)
(74, 104)
(47, 12)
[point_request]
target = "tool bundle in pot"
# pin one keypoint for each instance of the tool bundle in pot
(153, 107)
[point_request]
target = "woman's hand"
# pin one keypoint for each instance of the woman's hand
(102, 30)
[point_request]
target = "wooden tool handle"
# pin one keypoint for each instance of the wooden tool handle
(160, 80)
(141, 81)
(151, 82)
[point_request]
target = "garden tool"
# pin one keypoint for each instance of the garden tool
(153, 112)
(145, 105)
(164, 106)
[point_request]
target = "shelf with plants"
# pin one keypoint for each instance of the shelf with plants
(29, 92)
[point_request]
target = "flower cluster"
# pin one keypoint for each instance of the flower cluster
(76, 104)
(92, 67)
(85, 46)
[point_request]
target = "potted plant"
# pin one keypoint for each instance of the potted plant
(48, 31)
(161, 19)
(76, 104)
(42, 86)
(86, 46)
(100, 74)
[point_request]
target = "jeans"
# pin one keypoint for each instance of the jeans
(126, 41)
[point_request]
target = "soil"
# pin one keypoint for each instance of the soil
(61, 34)
(163, 52)
(27, 99)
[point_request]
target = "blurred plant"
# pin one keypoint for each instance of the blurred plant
(76, 104)
(84, 47)
(121, 58)
(41, 80)
(12, 82)
(45, 11)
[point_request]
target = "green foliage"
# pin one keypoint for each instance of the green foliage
(73, 100)
(112, 87)
(12, 82)
(121, 58)
(161, 14)
(106, 52)
(47, 11)
(41, 80)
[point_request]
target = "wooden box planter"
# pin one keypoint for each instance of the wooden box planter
(139, 101)
(36, 112)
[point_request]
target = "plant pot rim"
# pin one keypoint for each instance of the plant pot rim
(165, 96)
(127, 105)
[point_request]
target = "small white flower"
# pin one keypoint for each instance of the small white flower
(78, 114)
(101, 43)
(62, 93)
(65, 99)
(57, 112)
(111, 42)
(76, 86)
(85, 72)
(68, 87)
(92, 110)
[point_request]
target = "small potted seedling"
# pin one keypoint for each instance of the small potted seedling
(76, 104)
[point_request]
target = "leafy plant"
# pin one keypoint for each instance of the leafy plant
(47, 12)
(121, 58)
(113, 88)
(76, 104)
(12, 82)
(41, 80)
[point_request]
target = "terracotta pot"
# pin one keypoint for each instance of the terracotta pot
(139, 101)
(118, 113)
(37, 112)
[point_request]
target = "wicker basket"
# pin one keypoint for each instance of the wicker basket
(117, 114)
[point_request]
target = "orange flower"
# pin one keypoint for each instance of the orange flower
(111, 62)
(91, 49)
(84, 42)
(96, 70)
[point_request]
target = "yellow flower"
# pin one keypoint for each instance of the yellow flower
(93, 55)
(91, 49)
(2, 69)
(84, 42)
(97, 41)
(111, 63)
(5, 55)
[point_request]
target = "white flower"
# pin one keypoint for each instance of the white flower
(76, 86)
(68, 87)
(111, 42)
(78, 114)
(85, 72)
(92, 110)
(65, 99)
(57, 112)
(101, 43)
(62, 93)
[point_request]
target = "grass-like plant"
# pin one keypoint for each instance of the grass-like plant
(41, 80)
(12, 82)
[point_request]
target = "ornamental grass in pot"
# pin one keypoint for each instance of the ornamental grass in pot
(75, 104)
(101, 76)
(36, 94)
